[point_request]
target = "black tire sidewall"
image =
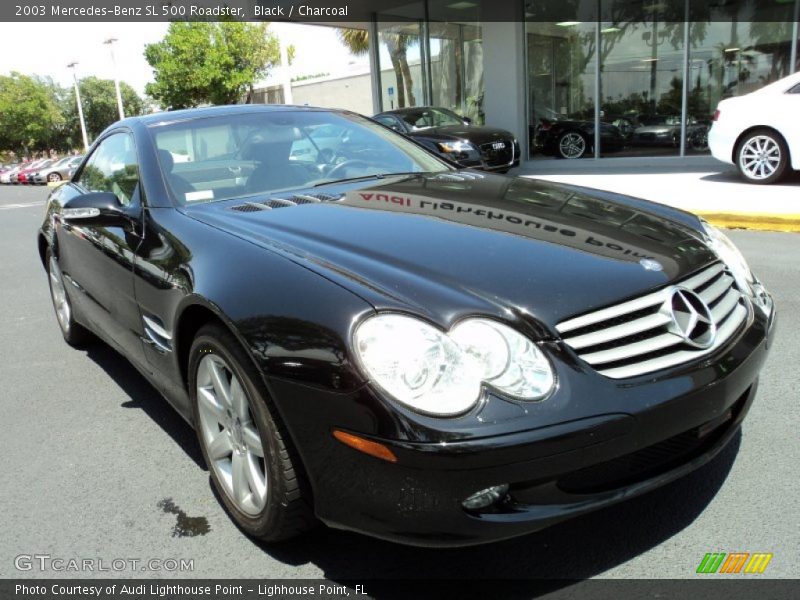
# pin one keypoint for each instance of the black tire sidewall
(782, 166)
(220, 342)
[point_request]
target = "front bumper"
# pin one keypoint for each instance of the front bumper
(670, 425)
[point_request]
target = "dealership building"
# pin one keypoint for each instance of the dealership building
(654, 69)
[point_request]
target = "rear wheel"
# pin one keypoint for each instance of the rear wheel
(74, 333)
(572, 144)
(53, 177)
(762, 157)
(252, 462)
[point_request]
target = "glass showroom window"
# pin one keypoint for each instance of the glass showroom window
(400, 57)
(456, 58)
(561, 88)
(737, 51)
(641, 78)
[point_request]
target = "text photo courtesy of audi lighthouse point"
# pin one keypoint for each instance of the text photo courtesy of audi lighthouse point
(349, 299)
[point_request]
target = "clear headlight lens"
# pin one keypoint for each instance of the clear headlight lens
(441, 374)
(459, 146)
(728, 253)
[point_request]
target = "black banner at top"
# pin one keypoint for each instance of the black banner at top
(360, 11)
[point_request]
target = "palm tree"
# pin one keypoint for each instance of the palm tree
(357, 42)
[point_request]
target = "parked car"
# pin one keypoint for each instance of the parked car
(13, 174)
(397, 346)
(58, 171)
(24, 176)
(665, 130)
(455, 137)
(569, 138)
(760, 131)
(5, 172)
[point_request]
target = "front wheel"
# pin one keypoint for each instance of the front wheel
(762, 157)
(572, 144)
(74, 333)
(54, 177)
(252, 463)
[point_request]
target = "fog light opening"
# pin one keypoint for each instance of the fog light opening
(485, 498)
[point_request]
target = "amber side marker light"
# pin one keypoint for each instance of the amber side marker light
(366, 446)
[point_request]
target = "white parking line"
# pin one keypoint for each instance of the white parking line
(20, 205)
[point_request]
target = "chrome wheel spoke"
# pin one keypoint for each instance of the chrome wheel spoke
(252, 440)
(239, 401)
(256, 480)
(210, 406)
(241, 489)
(220, 383)
(220, 447)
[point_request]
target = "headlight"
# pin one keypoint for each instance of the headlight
(455, 147)
(441, 373)
(728, 253)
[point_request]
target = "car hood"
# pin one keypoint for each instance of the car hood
(449, 245)
(473, 133)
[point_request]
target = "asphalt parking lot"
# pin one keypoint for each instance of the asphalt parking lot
(96, 465)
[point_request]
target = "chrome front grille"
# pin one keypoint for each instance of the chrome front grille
(634, 338)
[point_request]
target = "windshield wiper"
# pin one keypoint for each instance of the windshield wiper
(366, 177)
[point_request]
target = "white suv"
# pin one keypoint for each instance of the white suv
(760, 132)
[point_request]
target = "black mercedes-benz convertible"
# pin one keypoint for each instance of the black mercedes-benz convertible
(367, 336)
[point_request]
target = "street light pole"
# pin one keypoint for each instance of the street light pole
(80, 108)
(110, 41)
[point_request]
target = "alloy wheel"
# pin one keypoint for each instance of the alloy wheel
(54, 177)
(572, 145)
(230, 436)
(760, 157)
(59, 295)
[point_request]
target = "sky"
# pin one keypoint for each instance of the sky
(46, 48)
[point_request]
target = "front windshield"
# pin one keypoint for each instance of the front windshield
(230, 156)
(424, 118)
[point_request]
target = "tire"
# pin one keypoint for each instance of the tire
(53, 177)
(762, 157)
(74, 333)
(269, 498)
(571, 145)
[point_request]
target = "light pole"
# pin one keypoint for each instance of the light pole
(80, 108)
(110, 41)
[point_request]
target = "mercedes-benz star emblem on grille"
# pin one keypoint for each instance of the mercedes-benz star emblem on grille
(498, 145)
(691, 318)
(651, 265)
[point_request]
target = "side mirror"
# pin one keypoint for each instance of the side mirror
(95, 207)
(467, 120)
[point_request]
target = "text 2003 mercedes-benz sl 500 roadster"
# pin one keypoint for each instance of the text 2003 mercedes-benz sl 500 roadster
(368, 336)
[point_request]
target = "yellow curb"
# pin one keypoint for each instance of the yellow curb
(787, 222)
(55, 183)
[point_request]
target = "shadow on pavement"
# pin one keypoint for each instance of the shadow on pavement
(731, 176)
(145, 397)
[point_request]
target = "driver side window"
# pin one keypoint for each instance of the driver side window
(112, 167)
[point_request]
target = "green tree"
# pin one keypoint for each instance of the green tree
(99, 99)
(30, 116)
(209, 63)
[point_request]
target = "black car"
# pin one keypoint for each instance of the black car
(568, 138)
(391, 345)
(455, 137)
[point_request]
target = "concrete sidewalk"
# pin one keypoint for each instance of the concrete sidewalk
(697, 184)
